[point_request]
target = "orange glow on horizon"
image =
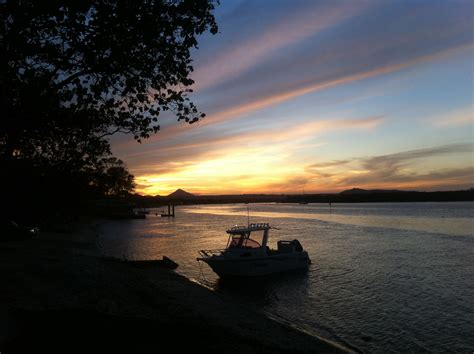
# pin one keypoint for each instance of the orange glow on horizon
(315, 150)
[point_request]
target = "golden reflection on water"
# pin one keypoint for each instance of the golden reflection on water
(449, 226)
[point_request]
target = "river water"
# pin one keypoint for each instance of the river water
(385, 277)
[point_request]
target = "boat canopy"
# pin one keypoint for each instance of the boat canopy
(242, 242)
(239, 230)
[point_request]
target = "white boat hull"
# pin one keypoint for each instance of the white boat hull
(258, 266)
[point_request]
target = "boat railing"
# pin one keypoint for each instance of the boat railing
(210, 253)
(262, 225)
(251, 227)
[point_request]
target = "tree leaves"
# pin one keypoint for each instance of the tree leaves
(74, 72)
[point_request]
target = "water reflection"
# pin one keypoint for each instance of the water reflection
(382, 276)
(264, 291)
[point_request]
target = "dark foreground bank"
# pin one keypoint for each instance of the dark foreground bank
(59, 295)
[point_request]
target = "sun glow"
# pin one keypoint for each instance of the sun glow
(276, 169)
(244, 171)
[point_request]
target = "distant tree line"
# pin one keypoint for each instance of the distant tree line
(73, 73)
(369, 197)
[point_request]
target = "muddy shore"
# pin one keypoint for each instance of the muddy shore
(59, 295)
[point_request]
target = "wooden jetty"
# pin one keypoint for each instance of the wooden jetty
(170, 213)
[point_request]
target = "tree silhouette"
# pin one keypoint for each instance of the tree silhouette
(113, 179)
(75, 72)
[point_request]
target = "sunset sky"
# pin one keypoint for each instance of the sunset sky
(322, 96)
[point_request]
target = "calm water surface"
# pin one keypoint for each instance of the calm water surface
(385, 276)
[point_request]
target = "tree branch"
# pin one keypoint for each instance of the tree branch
(72, 77)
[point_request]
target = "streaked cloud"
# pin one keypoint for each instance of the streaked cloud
(304, 89)
(290, 131)
(240, 106)
(217, 158)
(294, 27)
(328, 164)
(460, 117)
(393, 162)
(303, 94)
(397, 170)
(265, 101)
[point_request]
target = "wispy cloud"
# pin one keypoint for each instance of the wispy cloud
(328, 164)
(460, 117)
(303, 89)
(225, 173)
(287, 93)
(294, 27)
(387, 165)
(290, 91)
(396, 170)
(222, 159)
(276, 78)
(202, 147)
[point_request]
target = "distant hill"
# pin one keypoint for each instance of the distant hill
(370, 191)
(181, 194)
(355, 195)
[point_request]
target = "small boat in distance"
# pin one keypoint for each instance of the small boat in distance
(245, 257)
(303, 199)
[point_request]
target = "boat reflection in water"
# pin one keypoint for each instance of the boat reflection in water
(245, 257)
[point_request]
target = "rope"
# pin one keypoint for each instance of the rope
(201, 276)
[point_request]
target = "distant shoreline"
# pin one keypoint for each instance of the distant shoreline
(351, 196)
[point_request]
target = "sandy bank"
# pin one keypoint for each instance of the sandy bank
(60, 296)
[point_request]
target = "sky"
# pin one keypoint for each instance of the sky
(319, 97)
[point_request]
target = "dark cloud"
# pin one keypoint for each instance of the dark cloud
(292, 185)
(392, 163)
(328, 164)
(390, 168)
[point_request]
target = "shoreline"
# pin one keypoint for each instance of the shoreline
(354, 195)
(61, 295)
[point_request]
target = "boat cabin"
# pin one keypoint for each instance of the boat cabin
(240, 236)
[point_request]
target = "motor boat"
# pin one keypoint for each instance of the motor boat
(245, 257)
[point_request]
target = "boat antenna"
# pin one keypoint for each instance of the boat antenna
(248, 215)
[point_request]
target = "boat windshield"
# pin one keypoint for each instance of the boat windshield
(240, 241)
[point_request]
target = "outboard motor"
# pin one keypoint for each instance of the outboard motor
(289, 246)
(297, 245)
